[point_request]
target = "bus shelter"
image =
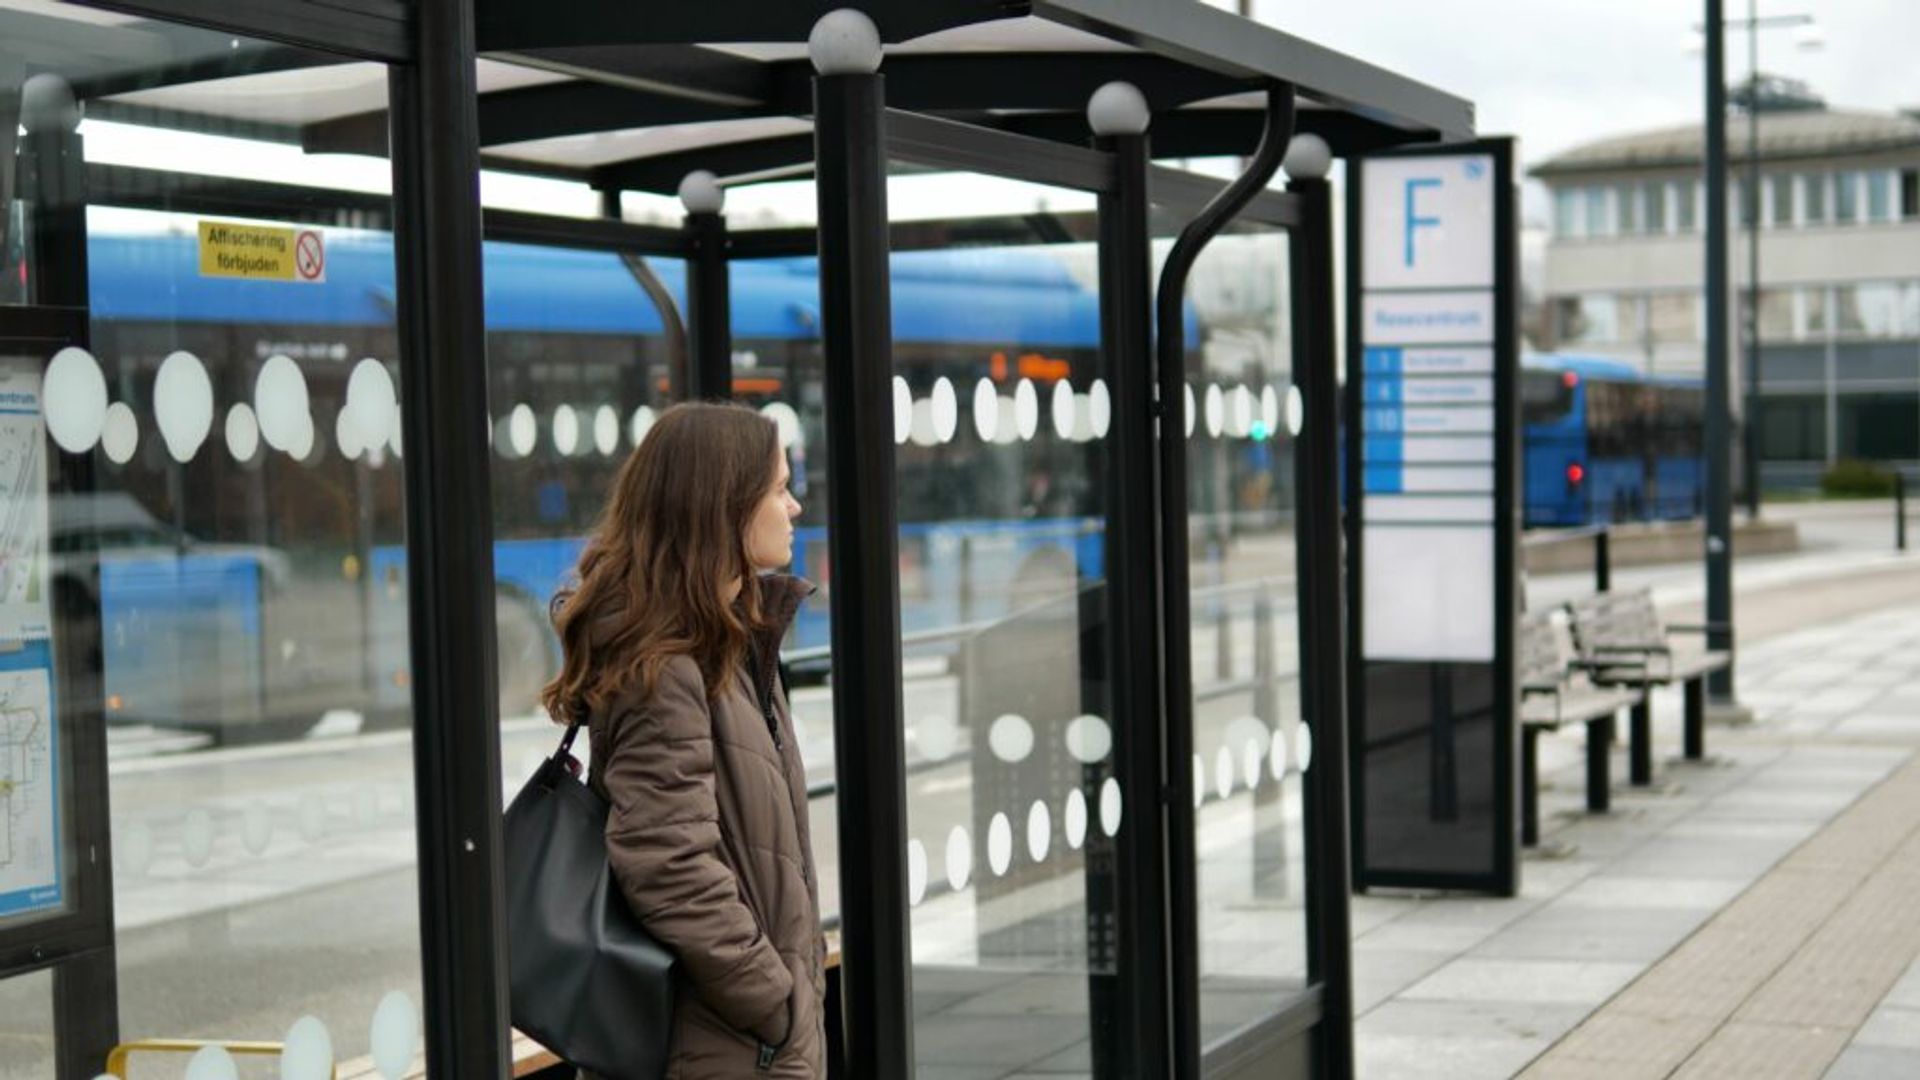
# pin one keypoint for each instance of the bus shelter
(1075, 476)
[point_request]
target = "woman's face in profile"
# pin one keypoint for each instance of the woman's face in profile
(770, 529)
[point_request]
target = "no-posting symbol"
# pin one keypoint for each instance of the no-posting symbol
(309, 257)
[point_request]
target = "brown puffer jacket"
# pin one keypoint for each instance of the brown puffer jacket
(708, 837)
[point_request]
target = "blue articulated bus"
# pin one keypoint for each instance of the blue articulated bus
(996, 504)
(1604, 443)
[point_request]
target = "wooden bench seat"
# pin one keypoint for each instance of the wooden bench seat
(1555, 691)
(1622, 643)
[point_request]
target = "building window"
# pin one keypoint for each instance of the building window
(1874, 309)
(1814, 189)
(1879, 427)
(1880, 195)
(1655, 194)
(1813, 312)
(1846, 197)
(1627, 198)
(1793, 428)
(1566, 212)
(1683, 200)
(1597, 211)
(1596, 319)
(1782, 185)
(1910, 193)
(1673, 317)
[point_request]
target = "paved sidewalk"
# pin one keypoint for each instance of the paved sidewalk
(1749, 917)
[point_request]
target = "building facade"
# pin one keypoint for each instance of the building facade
(1839, 270)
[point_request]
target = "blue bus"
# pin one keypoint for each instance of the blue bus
(579, 358)
(1604, 443)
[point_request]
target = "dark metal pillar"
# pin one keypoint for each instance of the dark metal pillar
(1750, 428)
(1719, 433)
(456, 749)
(709, 314)
(1137, 1047)
(869, 747)
(1176, 603)
(1322, 634)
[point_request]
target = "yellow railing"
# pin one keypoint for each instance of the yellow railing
(117, 1059)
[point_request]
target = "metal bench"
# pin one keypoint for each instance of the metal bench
(1621, 642)
(1554, 691)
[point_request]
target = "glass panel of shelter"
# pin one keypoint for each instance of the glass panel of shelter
(236, 409)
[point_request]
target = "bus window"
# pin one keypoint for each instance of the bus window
(1545, 396)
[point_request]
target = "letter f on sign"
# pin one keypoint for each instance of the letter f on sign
(1414, 220)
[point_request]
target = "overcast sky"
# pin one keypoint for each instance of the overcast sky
(1559, 73)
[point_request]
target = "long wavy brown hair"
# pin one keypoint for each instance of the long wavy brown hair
(652, 581)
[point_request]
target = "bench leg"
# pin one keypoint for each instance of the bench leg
(1529, 785)
(1696, 730)
(1640, 755)
(1600, 765)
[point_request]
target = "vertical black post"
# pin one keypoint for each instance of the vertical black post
(1899, 510)
(1137, 1043)
(456, 749)
(1602, 560)
(856, 333)
(1750, 429)
(1323, 639)
(709, 318)
(1719, 533)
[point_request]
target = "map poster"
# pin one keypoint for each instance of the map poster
(31, 880)
(25, 610)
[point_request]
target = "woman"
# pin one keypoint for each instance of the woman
(671, 636)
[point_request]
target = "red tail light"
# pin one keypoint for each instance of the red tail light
(1569, 379)
(1576, 472)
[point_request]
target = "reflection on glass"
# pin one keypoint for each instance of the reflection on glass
(1250, 741)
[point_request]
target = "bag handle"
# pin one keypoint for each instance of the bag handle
(563, 756)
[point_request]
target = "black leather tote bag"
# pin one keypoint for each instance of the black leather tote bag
(586, 980)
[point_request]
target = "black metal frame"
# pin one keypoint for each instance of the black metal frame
(709, 309)
(1503, 877)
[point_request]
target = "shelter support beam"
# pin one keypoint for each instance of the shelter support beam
(456, 749)
(1719, 427)
(1175, 605)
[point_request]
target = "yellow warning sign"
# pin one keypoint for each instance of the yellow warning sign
(261, 252)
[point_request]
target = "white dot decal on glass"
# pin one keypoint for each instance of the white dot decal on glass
(211, 1063)
(1296, 411)
(280, 403)
(74, 395)
(256, 829)
(119, 433)
(986, 410)
(1076, 819)
(307, 1053)
(1199, 781)
(641, 423)
(1039, 830)
(305, 445)
(196, 839)
(1277, 758)
(243, 433)
(346, 435)
(1089, 739)
(1242, 412)
(1250, 764)
(566, 430)
(371, 400)
(1007, 431)
(1011, 738)
(1223, 771)
(1303, 748)
(902, 411)
(393, 433)
(1189, 414)
(522, 430)
(920, 429)
(1110, 807)
(959, 858)
(999, 844)
(916, 872)
(313, 818)
(395, 1034)
(1216, 410)
(606, 430)
(1026, 408)
(937, 736)
(946, 410)
(1062, 409)
(183, 404)
(1099, 408)
(1270, 410)
(137, 847)
(784, 419)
